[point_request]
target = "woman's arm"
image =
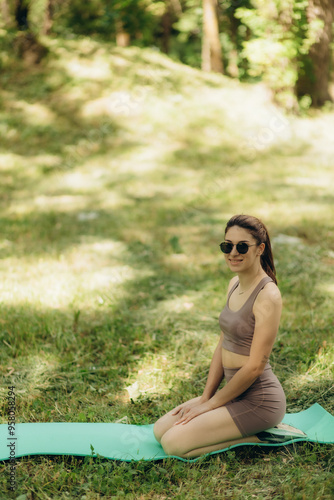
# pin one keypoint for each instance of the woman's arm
(216, 372)
(215, 376)
(267, 311)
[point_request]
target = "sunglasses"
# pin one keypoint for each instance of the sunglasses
(242, 248)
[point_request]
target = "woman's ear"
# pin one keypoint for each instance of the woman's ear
(261, 248)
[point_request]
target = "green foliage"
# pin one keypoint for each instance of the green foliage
(280, 40)
(105, 17)
(187, 34)
(190, 22)
(6, 43)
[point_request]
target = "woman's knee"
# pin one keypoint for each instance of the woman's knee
(171, 444)
(158, 430)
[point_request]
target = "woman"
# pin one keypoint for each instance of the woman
(252, 400)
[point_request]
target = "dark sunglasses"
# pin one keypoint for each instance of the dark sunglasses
(242, 248)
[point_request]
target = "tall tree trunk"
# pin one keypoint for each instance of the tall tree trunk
(26, 43)
(122, 37)
(21, 15)
(316, 81)
(232, 66)
(211, 48)
(5, 14)
(48, 17)
(173, 10)
(166, 22)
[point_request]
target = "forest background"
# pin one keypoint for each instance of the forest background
(286, 43)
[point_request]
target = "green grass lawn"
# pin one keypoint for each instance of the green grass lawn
(119, 169)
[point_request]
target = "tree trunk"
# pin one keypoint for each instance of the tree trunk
(21, 15)
(315, 82)
(211, 48)
(5, 14)
(232, 66)
(48, 18)
(26, 44)
(166, 22)
(122, 37)
(173, 10)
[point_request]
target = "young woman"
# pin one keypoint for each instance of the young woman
(252, 400)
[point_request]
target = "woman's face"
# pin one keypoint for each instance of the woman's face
(238, 262)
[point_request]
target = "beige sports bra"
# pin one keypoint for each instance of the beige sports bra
(238, 326)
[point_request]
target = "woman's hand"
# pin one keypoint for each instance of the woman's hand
(190, 412)
(186, 406)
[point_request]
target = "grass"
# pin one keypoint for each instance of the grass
(119, 169)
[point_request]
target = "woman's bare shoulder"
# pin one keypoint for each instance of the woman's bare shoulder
(270, 292)
(232, 282)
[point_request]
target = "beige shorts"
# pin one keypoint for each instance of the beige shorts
(261, 406)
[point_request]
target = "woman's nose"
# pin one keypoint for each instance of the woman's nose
(234, 250)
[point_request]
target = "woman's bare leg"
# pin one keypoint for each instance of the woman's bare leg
(205, 433)
(220, 446)
(167, 421)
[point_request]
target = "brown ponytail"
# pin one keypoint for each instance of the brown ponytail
(259, 231)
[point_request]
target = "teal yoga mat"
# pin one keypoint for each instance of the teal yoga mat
(136, 442)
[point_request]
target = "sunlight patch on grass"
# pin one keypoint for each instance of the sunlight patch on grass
(326, 287)
(282, 213)
(46, 161)
(97, 69)
(156, 373)
(324, 363)
(43, 284)
(73, 95)
(102, 247)
(82, 274)
(317, 132)
(118, 103)
(179, 304)
(321, 369)
(144, 159)
(18, 165)
(80, 181)
(33, 374)
(150, 377)
(68, 203)
(191, 260)
(324, 180)
(8, 160)
(36, 114)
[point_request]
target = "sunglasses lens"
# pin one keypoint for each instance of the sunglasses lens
(242, 248)
(226, 247)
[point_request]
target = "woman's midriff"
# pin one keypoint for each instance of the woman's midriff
(232, 360)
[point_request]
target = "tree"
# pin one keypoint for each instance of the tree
(211, 47)
(48, 17)
(26, 43)
(314, 78)
(123, 38)
(289, 48)
(172, 12)
(21, 14)
(6, 14)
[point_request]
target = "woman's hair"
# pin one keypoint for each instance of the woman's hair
(259, 231)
